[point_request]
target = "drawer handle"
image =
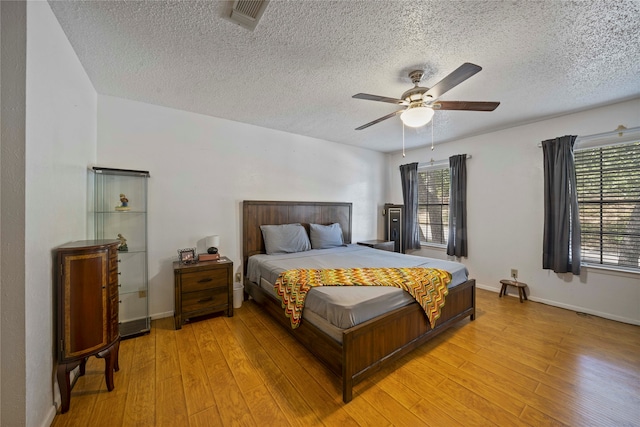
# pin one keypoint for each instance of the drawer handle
(205, 299)
(208, 279)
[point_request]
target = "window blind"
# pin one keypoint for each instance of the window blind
(608, 187)
(433, 205)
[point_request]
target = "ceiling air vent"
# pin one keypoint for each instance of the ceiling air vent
(247, 13)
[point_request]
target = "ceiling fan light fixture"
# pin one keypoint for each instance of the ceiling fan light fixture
(416, 116)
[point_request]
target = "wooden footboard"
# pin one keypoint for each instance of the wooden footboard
(369, 346)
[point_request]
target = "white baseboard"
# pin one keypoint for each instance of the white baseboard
(487, 288)
(161, 315)
(48, 420)
(566, 306)
(587, 311)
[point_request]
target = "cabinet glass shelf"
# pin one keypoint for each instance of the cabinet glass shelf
(120, 212)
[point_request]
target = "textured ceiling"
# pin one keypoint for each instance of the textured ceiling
(298, 69)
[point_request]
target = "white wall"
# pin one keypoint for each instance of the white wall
(203, 167)
(61, 126)
(505, 212)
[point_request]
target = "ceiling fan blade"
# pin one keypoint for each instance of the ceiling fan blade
(388, 116)
(380, 98)
(461, 74)
(465, 105)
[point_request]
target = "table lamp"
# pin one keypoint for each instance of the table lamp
(212, 243)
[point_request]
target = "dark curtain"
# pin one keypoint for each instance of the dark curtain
(457, 241)
(561, 243)
(410, 230)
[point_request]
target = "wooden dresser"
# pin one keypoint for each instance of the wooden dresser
(202, 288)
(87, 309)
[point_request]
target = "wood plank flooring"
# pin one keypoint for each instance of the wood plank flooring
(516, 365)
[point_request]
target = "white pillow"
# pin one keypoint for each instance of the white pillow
(285, 238)
(325, 236)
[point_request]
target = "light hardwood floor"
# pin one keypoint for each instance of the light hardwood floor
(516, 364)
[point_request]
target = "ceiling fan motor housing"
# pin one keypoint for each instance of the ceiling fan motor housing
(417, 93)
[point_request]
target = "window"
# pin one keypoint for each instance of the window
(433, 205)
(608, 186)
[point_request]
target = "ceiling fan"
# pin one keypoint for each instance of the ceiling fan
(420, 102)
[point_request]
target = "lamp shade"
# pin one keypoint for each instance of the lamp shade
(212, 241)
(416, 116)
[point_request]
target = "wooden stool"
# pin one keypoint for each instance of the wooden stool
(519, 285)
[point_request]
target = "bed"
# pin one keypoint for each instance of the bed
(351, 352)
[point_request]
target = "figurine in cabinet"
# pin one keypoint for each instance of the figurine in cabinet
(124, 203)
(123, 243)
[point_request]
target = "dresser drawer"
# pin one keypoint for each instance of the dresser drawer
(115, 329)
(113, 281)
(200, 280)
(113, 260)
(113, 290)
(204, 300)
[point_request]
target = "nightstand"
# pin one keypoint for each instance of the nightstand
(385, 245)
(202, 288)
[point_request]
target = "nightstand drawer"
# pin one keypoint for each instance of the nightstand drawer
(200, 280)
(204, 300)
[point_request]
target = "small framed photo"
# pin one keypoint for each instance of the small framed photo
(187, 256)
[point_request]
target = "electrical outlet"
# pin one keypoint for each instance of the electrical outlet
(514, 273)
(238, 277)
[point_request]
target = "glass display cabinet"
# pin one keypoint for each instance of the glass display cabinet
(120, 212)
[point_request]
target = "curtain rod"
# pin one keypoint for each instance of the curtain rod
(436, 162)
(620, 130)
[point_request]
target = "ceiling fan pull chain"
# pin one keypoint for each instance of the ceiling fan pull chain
(433, 123)
(402, 139)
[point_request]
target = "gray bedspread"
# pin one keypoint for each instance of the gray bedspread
(347, 306)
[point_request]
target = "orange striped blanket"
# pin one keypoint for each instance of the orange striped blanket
(428, 286)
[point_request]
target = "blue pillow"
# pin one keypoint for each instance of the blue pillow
(285, 238)
(325, 236)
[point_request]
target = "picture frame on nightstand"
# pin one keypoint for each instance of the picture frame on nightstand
(187, 256)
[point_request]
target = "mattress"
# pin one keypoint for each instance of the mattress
(333, 308)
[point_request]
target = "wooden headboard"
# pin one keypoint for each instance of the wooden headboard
(256, 213)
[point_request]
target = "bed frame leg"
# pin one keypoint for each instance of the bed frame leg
(347, 369)
(473, 301)
(347, 390)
